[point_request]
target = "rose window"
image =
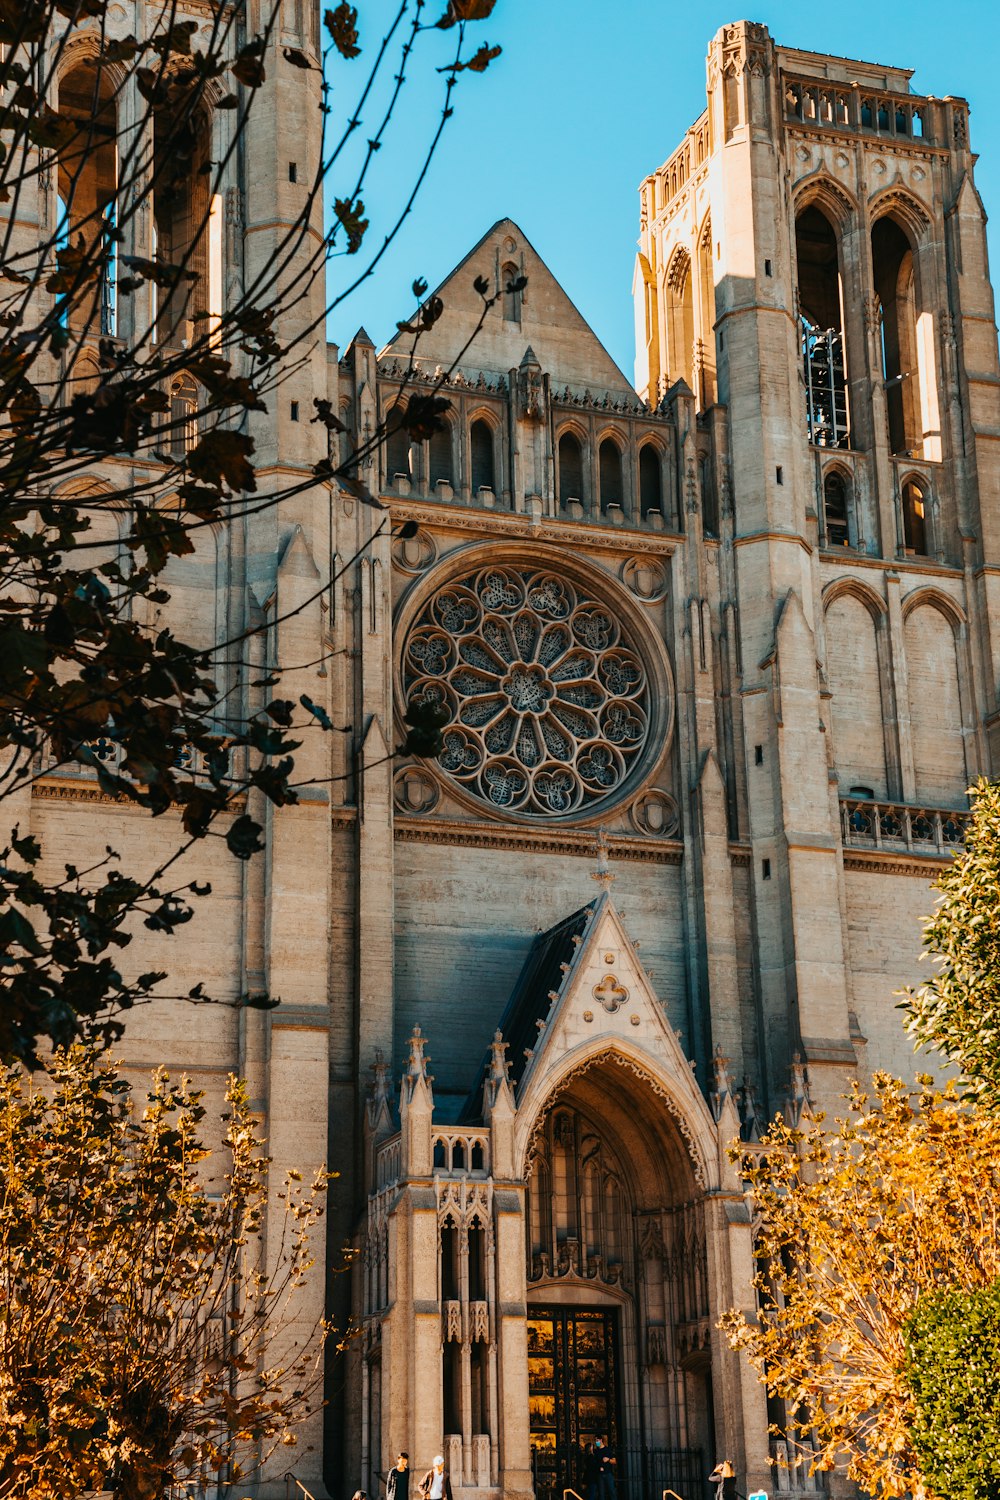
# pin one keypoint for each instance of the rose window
(548, 701)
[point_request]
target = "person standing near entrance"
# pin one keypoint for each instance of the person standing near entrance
(436, 1484)
(397, 1484)
(591, 1473)
(605, 1470)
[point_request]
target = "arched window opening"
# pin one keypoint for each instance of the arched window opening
(481, 454)
(477, 1262)
(509, 278)
(397, 444)
(706, 319)
(680, 319)
(183, 417)
(85, 376)
(181, 213)
(441, 465)
(87, 187)
(835, 509)
(346, 443)
(709, 499)
(824, 365)
(895, 289)
(610, 468)
(914, 517)
(570, 469)
(650, 481)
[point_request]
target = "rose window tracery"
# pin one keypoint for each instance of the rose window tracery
(549, 701)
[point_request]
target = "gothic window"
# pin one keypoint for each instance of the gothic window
(824, 365)
(835, 508)
(914, 502)
(481, 454)
(440, 458)
(183, 417)
(509, 277)
(580, 1213)
(397, 444)
(570, 469)
(610, 468)
(650, 480)
(895, 289)
(181, 210)
(548, 699)
(680, 318)
(88, 183)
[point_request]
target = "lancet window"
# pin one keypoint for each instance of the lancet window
(87, 186)
(580, 1212)
(821, 320)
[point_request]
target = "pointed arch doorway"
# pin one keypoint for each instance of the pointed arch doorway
(618, 1300)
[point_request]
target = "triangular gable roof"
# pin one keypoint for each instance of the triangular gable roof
(583, 994)
(529, 1002)
(562, 340)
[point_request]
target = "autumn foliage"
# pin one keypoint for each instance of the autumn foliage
(862, 1223)
(146, 1329)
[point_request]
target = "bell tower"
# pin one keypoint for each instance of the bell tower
(812, 263)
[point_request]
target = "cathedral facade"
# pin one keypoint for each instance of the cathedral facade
(720, 652)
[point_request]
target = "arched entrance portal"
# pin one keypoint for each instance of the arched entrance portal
(618, 1297)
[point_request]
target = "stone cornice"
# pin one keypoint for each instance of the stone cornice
(84, 790)
(892, 145)
(440, 516)
(572, 841)
(882, 862)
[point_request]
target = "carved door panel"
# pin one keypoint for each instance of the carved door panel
(572, 1393)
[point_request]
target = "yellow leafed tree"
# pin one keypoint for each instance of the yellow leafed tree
(859, 1225)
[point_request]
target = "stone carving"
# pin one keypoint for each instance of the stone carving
(418, 1060)
(380, 1088)
(413, 554)
(656, 1346)
(531, 390)
(611, 993)
(655, 813)
(453, 1322)
(413, 791)
(722, 1084)
(479, 1321)
(548, 699)
(646, 577)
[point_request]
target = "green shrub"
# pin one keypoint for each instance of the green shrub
(953, 1374)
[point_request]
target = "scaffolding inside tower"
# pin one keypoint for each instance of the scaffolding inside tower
(826, 386)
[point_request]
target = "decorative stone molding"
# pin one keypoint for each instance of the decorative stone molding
(612, 1055)
(431, 830)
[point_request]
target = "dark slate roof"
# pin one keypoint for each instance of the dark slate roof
(529, 1002)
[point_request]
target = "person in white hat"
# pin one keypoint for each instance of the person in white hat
(436, 1484)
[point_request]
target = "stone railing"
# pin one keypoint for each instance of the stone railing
(852, 107)
(462, 1153)
(896, 827)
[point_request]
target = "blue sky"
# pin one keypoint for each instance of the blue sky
(587, 98)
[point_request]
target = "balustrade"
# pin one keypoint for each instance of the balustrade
(896, 826)
(462, 1152)
(846, 107)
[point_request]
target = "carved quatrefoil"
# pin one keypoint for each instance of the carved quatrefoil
(611, 993)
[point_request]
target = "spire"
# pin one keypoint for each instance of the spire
(416, 1069)
(380, 1092)
(497, 1075)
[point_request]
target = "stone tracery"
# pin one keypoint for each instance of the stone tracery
(549, 700)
